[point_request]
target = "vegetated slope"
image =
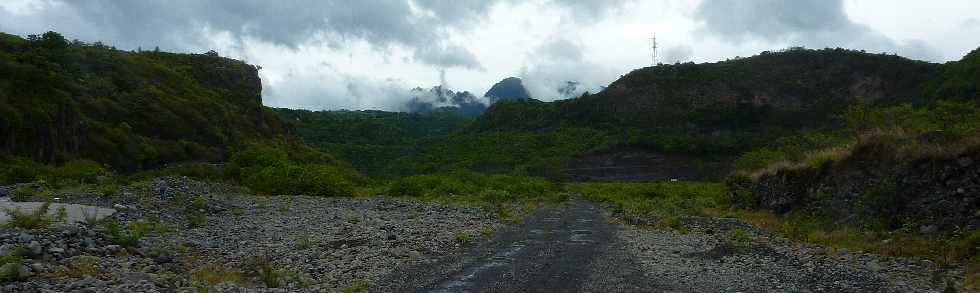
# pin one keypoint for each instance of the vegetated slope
(371, 140)
(959, 79)
(62, 100)
(696, 115)
(792, 88)
(894, 166)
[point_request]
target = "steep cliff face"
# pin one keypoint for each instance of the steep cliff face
(61, 100)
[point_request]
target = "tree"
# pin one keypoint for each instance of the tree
(53, 40)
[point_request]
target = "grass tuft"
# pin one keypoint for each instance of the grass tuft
(36, 219)
(355, 286)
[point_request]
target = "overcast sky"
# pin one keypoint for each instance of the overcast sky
(367, 54)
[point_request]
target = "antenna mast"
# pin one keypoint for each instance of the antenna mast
(654, 56)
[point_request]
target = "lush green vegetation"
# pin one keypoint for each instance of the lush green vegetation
(891, 138)
(61, 101)
(470, 185)
(74, 172)
(35, 219)
(669, 199)
(371, 140)
(939, 129)
(281, 168)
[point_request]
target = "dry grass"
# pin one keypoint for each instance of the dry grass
(214, 274)
(895, 144)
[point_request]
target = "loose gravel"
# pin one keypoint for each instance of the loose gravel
(705, 258)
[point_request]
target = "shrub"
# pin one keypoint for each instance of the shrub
(197, 219)
(267, 271)
(474, 186)
(757, 159)
(36, 219)
(25, 193)
(126, 236)
(108, 189)
(213, 274)
(356, 286)
(461, 237)
(303, 243)
(406, 187)
(11, 264)
(12, 272)
(493, 195)
(21, 170)
(317, 180)
(82, 266)
(81, 170)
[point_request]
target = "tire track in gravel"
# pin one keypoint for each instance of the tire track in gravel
(555, 250)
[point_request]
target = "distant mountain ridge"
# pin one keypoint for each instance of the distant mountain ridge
(441, 99)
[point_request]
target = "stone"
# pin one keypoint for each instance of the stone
(928, 229)
(391, 237)
(56, 250)
(25, 237)
(35, 248)
(874, 266)
(965, 161)
(113, 248)
(37, 267)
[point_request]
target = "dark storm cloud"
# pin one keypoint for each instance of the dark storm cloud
(177, 24)
(812, 23)
(423, 25)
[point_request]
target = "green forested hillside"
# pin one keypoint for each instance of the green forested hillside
(371, 140)
(62, 100)
(713, 110)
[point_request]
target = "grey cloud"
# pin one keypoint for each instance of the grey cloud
(970, 23)
(556, 63)
(681, 53)
(177, 24)
(448, 56)
(812, 23)
(590, 10)
(560, 49)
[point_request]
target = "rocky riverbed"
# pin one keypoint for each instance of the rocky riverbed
(726, 255)
(192, 236)
(208, 235)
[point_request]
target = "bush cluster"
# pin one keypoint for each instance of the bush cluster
(74, 172)
(477, 186)
(274, 169)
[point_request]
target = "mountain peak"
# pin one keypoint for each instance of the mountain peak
(510, 89)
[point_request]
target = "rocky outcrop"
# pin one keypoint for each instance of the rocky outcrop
(929, 195)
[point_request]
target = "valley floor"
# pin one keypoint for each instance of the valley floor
(315, 244)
